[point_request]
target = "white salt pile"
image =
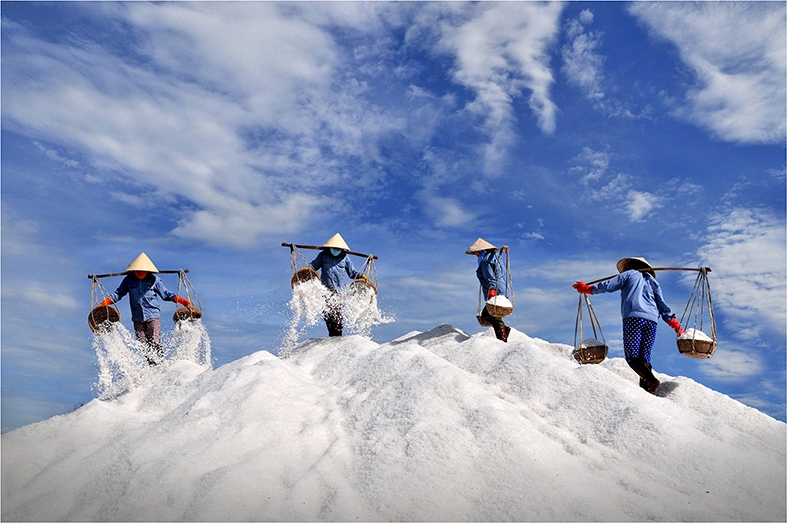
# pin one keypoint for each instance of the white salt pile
(694, 334)
(500, 301)
(433, 426)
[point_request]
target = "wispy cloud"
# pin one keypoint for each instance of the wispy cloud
(746, 250)
(732, 365)
(592, 165)
(445, 212)
(236, 109)
(500, 49)
(640, 204)
(737, 52)
(582, 63)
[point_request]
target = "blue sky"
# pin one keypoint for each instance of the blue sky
(206, 134)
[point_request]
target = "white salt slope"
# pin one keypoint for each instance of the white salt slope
(432, 426)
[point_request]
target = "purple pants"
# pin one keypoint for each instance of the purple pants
(149, 333)
(639, 335)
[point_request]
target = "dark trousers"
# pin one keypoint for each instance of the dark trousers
(500, 328)
(333, 319)
(149, 333)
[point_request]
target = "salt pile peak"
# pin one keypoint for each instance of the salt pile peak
(436, 425)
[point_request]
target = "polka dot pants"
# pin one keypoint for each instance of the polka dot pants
(639, 335)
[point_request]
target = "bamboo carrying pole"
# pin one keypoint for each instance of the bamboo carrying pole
(700, 269)
(92, 276)
(319, 248)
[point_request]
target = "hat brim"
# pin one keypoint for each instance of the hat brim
(639, 264)
(480, 245)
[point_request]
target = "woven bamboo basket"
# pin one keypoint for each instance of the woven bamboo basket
(364, 283)
(303, 275)
(188, 313)
(592, 354)
(482, 322)
(499, 310)
(102, 318)
(698, 349)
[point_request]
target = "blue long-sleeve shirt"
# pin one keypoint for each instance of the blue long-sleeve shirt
(337, 271)
(490, 274)
(143, 295)
(640, 295)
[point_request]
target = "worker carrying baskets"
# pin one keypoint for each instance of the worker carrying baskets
(337, 274)
(641, 305)
(144, 289)
(496, 288)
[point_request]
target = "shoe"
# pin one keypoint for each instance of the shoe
(653, 386)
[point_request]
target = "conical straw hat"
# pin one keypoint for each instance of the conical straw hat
(141, 263)
(479, 245)
(337, 242)
(635, 263)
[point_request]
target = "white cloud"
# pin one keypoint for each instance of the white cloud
(732, 365)
(746, 251)
(737, 50)
(19, 236)
(500, 50)
(581, 63)
(598, 164)
(236, 109)
(445, 212)
(641, 204)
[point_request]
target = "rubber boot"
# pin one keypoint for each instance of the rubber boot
(645, 372)
(501, 331)
(506, 332)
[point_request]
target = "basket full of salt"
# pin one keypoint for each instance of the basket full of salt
(696, 344)
(187, 313)
(590, 350)
(102, 318)
(304, 275)
(499, 306)
(363, 284)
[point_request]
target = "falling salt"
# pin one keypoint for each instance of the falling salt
(357, 302)
(361, 312)
(123, 360)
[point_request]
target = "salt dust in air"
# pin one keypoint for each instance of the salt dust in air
(123, 361)
(358, 304)
(361, 312)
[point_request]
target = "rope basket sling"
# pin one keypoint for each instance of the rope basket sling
(698, 308)
(590, 350)
(368, 278)
(189, 312)
(302, 270)
(101, 318)
(499, 311)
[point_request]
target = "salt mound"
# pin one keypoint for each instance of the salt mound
(499, 301)
(694, 334)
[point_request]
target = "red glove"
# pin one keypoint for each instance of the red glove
(107, 301)
(180, 300)
(491, 294)
(582, 288)
(675, 324)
